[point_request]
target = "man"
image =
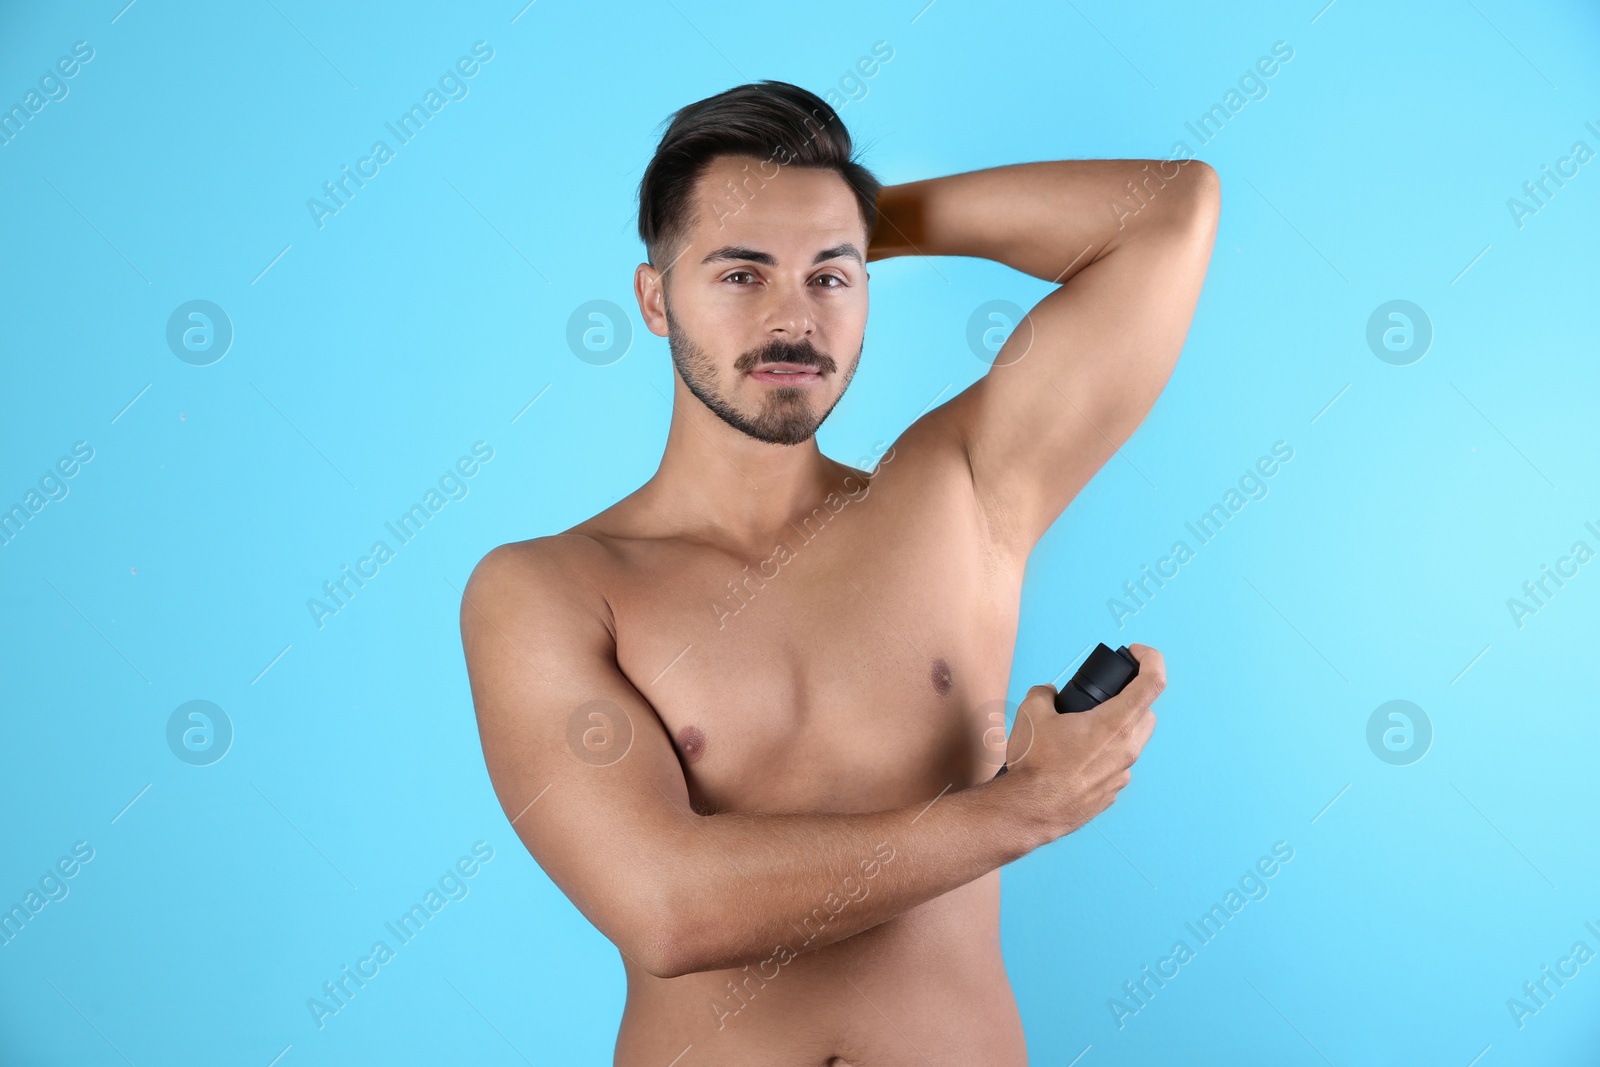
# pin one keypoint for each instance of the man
(746, 717)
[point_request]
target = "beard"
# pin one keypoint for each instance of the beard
(785, 417)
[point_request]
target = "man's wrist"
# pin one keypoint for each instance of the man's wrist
(897, 218)
(1024, 819)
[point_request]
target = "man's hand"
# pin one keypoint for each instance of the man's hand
(1069, 768)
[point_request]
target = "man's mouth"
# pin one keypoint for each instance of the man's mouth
(793, 374)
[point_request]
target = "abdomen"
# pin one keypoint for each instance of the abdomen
(927, 982)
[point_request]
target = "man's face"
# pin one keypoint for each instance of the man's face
(766, 305)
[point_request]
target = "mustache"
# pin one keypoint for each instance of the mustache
(802, 352)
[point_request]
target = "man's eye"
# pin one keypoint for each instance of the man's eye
(838, 281)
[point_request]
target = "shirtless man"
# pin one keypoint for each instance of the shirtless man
(749, 717)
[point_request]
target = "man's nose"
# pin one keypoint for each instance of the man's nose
(791, 312)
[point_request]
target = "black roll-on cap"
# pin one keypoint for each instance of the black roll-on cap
(1103, 675)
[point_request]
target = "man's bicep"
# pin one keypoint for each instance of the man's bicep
(1078, 375)
(578, 759)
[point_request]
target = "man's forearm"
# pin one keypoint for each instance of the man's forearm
(1047, 219)
(754, 888)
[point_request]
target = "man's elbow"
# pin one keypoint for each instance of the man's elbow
(1203, 186)
(678, 941)
(664, 956)
(658, 953)
(666, 940)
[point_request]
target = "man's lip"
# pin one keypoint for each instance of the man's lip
(800, 377)
(801, 367)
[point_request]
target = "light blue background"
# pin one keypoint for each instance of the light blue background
(432, 309)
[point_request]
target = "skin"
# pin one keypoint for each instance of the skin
(746, 718)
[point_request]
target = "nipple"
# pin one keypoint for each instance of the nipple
(692, 743)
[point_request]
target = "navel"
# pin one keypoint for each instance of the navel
(942, 678)
(692, 743)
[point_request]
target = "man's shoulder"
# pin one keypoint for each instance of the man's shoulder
(557, 576)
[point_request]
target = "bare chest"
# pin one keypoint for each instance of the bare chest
(861, 663)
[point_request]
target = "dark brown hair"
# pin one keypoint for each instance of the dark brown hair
(771, 120)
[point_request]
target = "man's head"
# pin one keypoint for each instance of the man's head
(756, 219)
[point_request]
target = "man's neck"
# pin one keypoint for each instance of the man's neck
(731, 488)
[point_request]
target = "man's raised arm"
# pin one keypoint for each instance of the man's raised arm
(678, 892)
(1128, 242)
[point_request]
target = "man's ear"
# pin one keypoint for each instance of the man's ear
(649, 289)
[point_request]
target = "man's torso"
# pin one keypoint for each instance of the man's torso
(858, 664)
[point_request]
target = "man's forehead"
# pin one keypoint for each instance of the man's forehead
(796, 207)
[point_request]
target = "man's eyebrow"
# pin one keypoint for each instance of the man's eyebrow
(767, 259)
(840, 251)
